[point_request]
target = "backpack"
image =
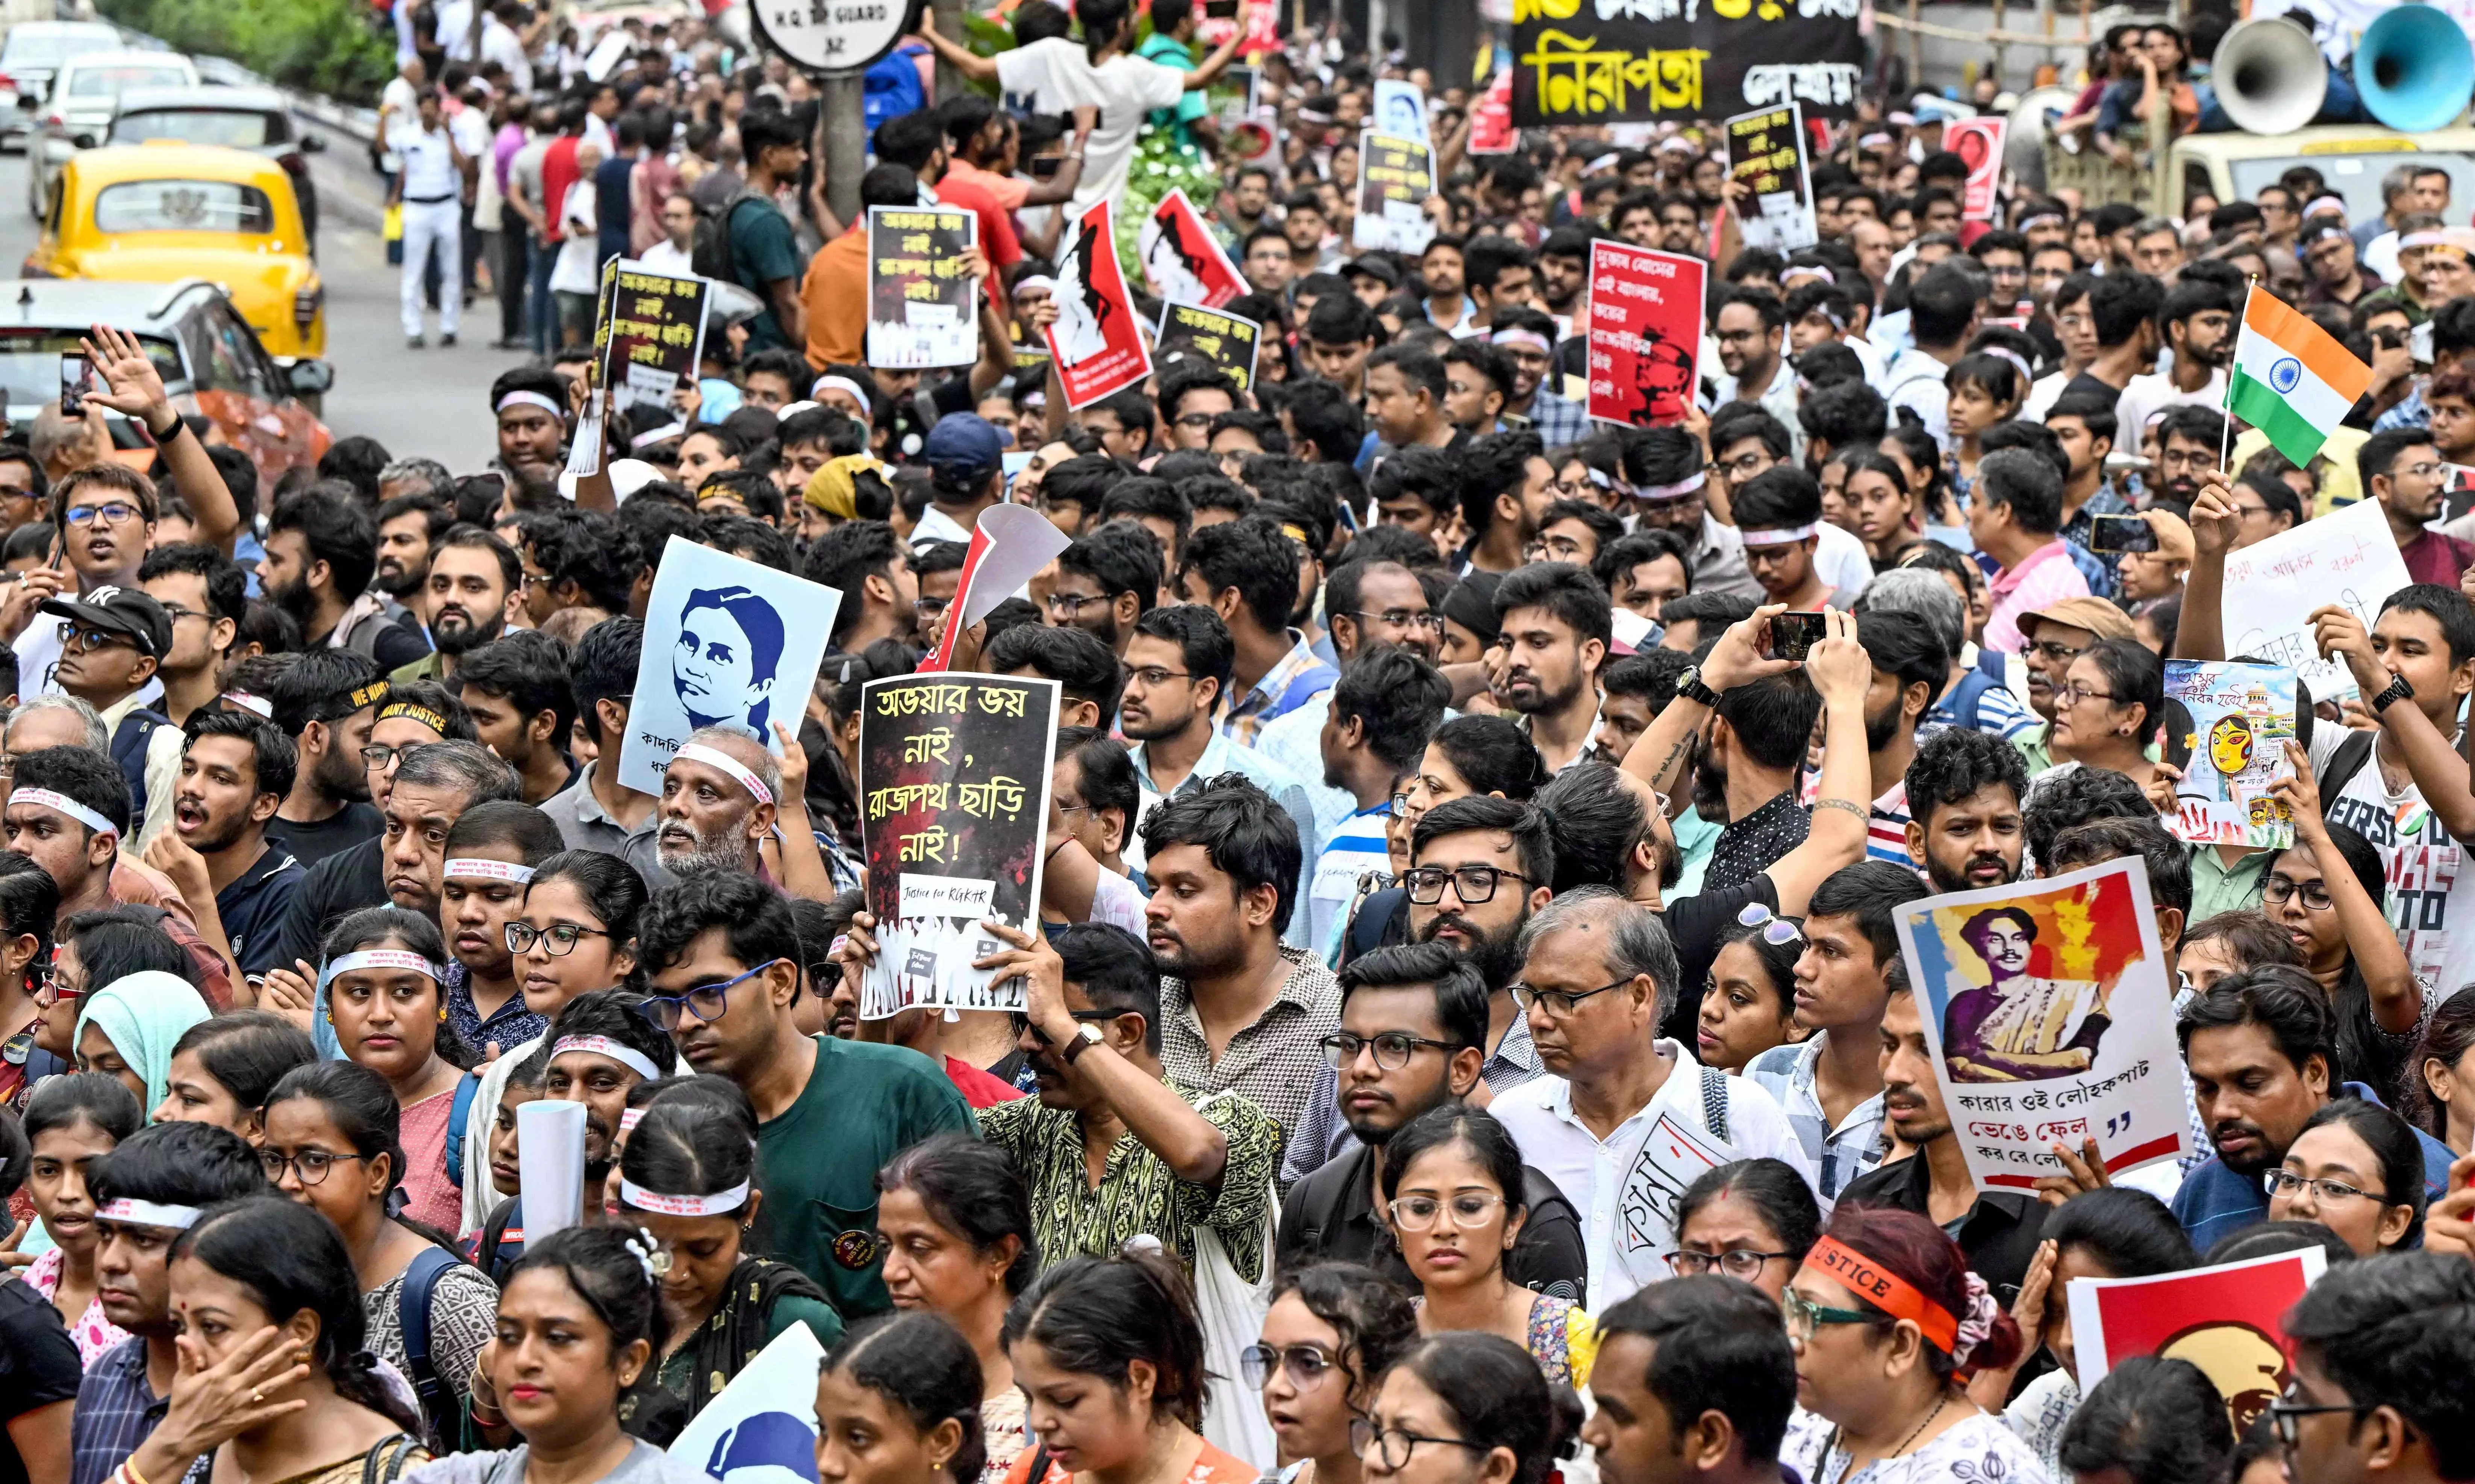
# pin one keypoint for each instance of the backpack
(1714, 1102)
(709, 255)
(1964, 699)
(129, 741)
(2344, 764)
(459, 1119)
(413, 1313)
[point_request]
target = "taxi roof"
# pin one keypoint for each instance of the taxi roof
(162, 159)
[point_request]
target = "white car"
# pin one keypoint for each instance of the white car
(76, 113)
(33, 51)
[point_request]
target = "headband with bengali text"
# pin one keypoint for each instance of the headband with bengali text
(384, 958)
(715, 758)
(65, 804)
(719, 1204)
(621, 1052)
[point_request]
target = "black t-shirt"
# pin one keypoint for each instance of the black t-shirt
(340, 831)
(38, 1366)
(2086, 386)
(254, 909)
(345, 881)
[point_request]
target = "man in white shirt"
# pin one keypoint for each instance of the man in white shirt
(500, 43)
(429, 186)
(675, 252)
(397, 107)
(1627, 1121)
(2198, 323)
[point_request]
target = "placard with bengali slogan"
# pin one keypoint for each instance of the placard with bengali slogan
(1597, 61)
(953, 783)
(2345, 557)
(2048, 1012)
(1766, 150)
(920, 308)
(1644, 334)
(1228, 341)
(649, 331)
(1395, 176)
(2234, 721)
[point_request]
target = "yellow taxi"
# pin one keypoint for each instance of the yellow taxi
(160, 212)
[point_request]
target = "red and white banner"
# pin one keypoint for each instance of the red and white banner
(1096, 340)
(1183, 261)
(2226, 1320)
(1009, 544)
(1645, 334)
(1491, 131)
(1979, 142)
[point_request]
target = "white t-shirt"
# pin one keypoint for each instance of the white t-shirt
(2432, 892)
(666, 259)
(1839, 558)
(2145, 396)
(1059, 75)
(398, 112)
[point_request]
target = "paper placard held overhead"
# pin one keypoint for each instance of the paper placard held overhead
(2345, 557)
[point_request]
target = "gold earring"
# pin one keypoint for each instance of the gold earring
(442, 1014)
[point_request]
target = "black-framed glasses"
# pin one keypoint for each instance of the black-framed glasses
(1805, 1316)
(113, 513)
(705, 1001)
(377, 756)
(559, 938)
(1474, 884)
(1743, 1264)
(1394, 1049)
(1070, 604)
(2284, 1416)
(1559, 1003)
(1403, 618)
(1306, 1365)
(311, 1164)
(2278, 890)
(1395, 1445)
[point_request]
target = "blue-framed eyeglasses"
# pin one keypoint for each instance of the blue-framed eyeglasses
(706, 1002)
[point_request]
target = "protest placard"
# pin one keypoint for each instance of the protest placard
(2234, 721)
(1009, 544)
(649, 331)
(1096, 343)
(1673, 1155)
(1228, 341)
(1401, 109)
(1230, 97)
(1766, 151)
(2228, 1320)
(1182, 259)
(2345, 557)
(549, 1166)
(1650, 60)
(1491, 131)
(2049, 1014)
(921, 308)
(1645, 334)
(1395, 176)
(1977, 141)
(953, 783)
(729, 642)
(762, 1428)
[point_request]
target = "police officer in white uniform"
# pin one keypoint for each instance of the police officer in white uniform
(431, 186)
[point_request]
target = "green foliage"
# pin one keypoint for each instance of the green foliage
(329, 47)
(1161, 165)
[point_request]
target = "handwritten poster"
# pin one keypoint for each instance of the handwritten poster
(1096, 341)
(2345, 557)
(1644, 334)
(1674, 1154)
(2234, 721)
(953, 783)
(1641, 61)
(1395, 176)
(921, 304)
(2226, 1320)
(1228, 341)
(1183, 261)
(2049, 1011)
(650, 332)
(1766, 152)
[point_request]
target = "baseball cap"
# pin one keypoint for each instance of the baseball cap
(120, 610)
(1373, 267)
(2093, 614)
(963, 449)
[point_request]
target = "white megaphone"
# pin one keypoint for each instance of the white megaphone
(2270, 76)
(2413, 68)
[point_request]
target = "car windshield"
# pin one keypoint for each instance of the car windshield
(2354, 178)
(30, 363)
(239, 129)
(110, 82)
(183, 205)
(31, 48)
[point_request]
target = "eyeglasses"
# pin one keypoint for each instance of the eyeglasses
(1023, 1022)
(2073, 692)
(76, 637)
(1742, 466)
(1469, 1208)
(2278, 890)
(178, 613)
(1559, 1003)
(1395, 1445)
(1776, 931)
(1805, 1316)
(2285, 1182)
(2056, 651)
(1154, 675)
(706, 1002)
(1069, 604)
(115, 513)
(1552, 549)
(311, 1164)
(1474, 884)
(2284, 1415)
(930, 608)
(377, 756)
(1739, 1263)
(1394, 1049)
(560, 936)
(1403, 618)
(1196, 419)
(2420, 471)
(1306, 1364)
(2187, 458)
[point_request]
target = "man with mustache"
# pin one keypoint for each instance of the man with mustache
(1413, 1018)
(1966, 828)
(1910, 667)
(1556, 622)
(327, 701)
(409, 526)
(717, 803)
(1479, 868)
(2188, 439)
(476, 581)
(321, 551)
(2196, 323)
(596, 812)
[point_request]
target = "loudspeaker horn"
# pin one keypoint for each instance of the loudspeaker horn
(2270, 78)
(2415, 68)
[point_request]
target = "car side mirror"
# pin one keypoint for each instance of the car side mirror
(311, 377)
(313, 144)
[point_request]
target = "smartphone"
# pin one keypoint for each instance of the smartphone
(1792, 635)
(1044, 167)
(2120, 533)
(77, 374)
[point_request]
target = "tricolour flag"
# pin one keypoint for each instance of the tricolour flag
(2292, 379)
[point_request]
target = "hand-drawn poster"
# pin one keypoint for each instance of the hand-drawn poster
(1673, 1155)
(1600, 62)
(1228, 341)
(1096, 343)
(953, 783)
(2049, 1011)
(1766, 152)
(1645, 335)
(1400, 109)
(1183, 261)
(921, 308)
(2345, 557)
(2228, 1320)
(650, 332)
(1395, 176)
(2234, 721)
(729, 642)
(1979, 142)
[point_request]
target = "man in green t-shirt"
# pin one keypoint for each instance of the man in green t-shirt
(1174, 23)
(765, 257)
(724, 956)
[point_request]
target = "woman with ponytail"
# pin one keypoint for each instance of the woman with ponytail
(578, 1330)
(1882, 1316)
(899, 1402)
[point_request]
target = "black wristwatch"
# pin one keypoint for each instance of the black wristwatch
(169, 434)
(2398, 691)
(1689, 687)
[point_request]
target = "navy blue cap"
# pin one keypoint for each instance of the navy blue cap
(964, 449)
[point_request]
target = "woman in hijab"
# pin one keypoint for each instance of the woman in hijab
(128, 1028)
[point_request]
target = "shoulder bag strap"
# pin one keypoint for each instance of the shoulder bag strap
(1714, 1102)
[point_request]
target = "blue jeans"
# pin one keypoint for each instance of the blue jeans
(542, 312)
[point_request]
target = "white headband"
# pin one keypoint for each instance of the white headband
(824, 384)
(621, 1052)
(384, 958)
(719, 1204)
(628, 1120)
(65, 804)
(2015, 359)
(256, 705)
(2421, 239)
(1529, 337)
(653, 435)
(2333, 202)
(148, 1214)
(488, 870)
(1676, 490)
(1034, 283)
(711, 757)
(1798, 272)
(1780, 537)
(2041, 219)
(530, 400)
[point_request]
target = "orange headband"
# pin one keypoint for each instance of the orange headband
(1885, 1290)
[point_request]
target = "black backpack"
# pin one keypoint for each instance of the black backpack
(710, 254)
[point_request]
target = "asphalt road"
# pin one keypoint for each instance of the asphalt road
(430, 402)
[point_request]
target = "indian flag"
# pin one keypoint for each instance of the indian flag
(2292, 380)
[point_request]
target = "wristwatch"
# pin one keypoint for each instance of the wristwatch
(1086, 1036)
(2398, 691)
(1689, 687)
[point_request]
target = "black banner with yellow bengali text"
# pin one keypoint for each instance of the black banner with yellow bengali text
(1594, 61)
